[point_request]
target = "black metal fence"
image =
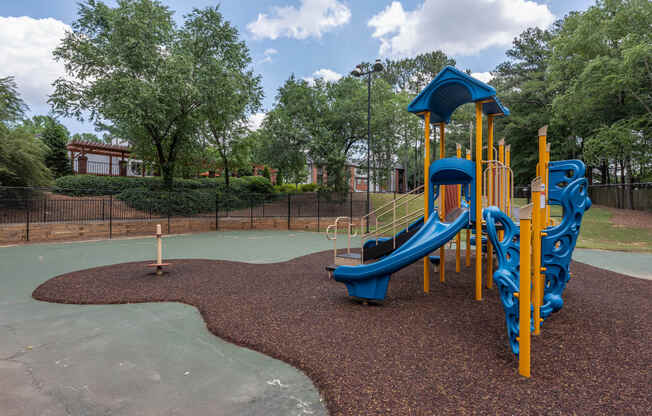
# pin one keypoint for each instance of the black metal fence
(30, 206)
(635, 196)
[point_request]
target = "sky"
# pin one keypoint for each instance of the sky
(307, 38)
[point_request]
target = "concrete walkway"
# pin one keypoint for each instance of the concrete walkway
(632, 264)
(138, 359)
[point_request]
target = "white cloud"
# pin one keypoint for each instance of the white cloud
(256, 120)
(462, 27)
(312, 19)
(268, 55)
(26, 54)
(482, 76)
(327, 74)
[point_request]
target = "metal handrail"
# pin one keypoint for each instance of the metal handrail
(413, 192)
(503, 175)
(404, 220)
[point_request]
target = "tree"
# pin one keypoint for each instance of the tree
(601, 72)
(521, 85)
(230, 91)
(12, 107)
(266, 173)
(133, 68)
(55, 136)
(21, 154)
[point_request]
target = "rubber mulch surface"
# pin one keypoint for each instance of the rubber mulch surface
(416, 354)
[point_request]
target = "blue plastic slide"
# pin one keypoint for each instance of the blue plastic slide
(369, 281)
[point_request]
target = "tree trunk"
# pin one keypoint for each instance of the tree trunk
(167, 170)
(226, 172)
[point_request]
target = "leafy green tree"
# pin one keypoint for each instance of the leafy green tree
(601, 73)
(21, 154)
(131, 67)
(521, 85)
(55, 136)
(12, 107)
(230, 90)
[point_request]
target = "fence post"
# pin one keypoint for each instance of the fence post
(289, 196)
(169, 192)
(29, 207)
(351, 206)
(251, 212)
(111, 217)
(318, 212)
(45, 210)
(217, 211)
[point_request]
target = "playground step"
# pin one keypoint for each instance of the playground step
(355, 256)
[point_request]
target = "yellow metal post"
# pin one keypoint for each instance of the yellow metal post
(426, 195)
(548, 219)
(501, 183)
(543, 165)
(538, 211)
(509, 179)
(458, 242)
(491, 195)
(442, 202)
(467, 252)
(524, 292)
(478, 201)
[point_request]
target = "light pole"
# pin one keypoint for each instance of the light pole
(357, 72)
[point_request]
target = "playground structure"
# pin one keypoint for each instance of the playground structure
(531, 267)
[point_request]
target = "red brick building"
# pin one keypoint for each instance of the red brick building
(397, 181)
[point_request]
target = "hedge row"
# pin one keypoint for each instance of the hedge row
(189, 201)
(90, 185)
(289, 188)
(189, 196)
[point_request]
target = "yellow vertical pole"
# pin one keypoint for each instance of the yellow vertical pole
(524, 293)
(500, 191)
(426, 195)
(442, 202)
(491, 197)
(538, 211)
(547, 180)
(543, 132)
(509, 179)
(478, 201)
(467, 252)
(458, 237)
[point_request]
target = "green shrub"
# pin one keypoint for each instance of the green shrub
(189, 196)
(178, 202)
(309, 187)
(286, 188)
(258, 184)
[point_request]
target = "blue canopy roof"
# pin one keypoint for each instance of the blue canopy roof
(450, 89)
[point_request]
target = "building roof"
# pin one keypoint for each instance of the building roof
(98, 148)
(450, 89)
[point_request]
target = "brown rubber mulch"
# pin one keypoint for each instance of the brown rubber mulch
(417, 354)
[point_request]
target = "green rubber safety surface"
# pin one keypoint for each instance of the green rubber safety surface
(154, 358)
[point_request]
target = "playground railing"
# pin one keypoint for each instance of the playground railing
(392, 216)
(497, 186)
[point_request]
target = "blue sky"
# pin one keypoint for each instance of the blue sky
(309, 38)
